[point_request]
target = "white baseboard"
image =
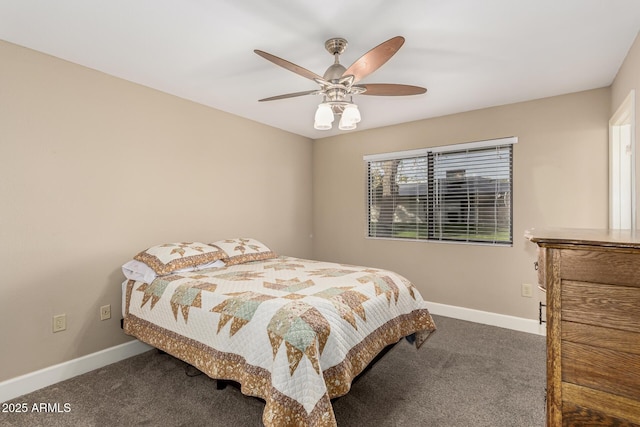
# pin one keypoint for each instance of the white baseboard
(15, 387)
(487, 318)
(18, 386)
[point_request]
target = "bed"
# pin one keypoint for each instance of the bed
(290, 331)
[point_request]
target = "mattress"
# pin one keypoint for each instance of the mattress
(293, 332)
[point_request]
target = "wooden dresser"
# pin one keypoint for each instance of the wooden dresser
(592, 281)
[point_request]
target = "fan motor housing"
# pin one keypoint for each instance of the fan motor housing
(334, 72)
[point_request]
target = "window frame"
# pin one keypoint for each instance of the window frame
(428, 154)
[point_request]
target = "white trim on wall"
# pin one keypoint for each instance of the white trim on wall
(622, 165)
(18, 386)
(487, 318)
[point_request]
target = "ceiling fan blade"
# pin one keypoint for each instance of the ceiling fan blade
(289, 95)
(288, 65)
(374, 59)
(389, 89)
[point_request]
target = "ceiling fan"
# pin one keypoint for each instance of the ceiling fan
(339, 84)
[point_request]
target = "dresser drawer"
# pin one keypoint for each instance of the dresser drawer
(615, 307)
(612, 267)
(582, 406)
(603, 369)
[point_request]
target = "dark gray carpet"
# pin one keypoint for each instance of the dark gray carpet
(466, 374)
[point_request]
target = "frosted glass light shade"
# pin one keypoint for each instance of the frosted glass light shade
(324, 117)
(350, 116)
(346, 125)
(351, 113)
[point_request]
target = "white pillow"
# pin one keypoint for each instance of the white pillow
(141, 272)
(136, 270)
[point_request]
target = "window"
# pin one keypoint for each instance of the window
(456, 193)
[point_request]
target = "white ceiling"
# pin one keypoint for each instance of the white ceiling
(469, 54)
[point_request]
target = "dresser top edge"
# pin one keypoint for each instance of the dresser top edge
(588, 237)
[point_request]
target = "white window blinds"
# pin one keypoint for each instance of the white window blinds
(458, 193)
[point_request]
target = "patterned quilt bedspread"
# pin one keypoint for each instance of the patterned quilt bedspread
(293, 332)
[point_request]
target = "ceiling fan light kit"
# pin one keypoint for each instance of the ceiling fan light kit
(326, 112)
(339, 83)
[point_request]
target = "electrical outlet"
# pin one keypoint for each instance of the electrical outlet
(105, 312)
(527, 290)
(59, 322)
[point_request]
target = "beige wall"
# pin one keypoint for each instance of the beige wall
(560, 179)
(94, 169)
(628, 78)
